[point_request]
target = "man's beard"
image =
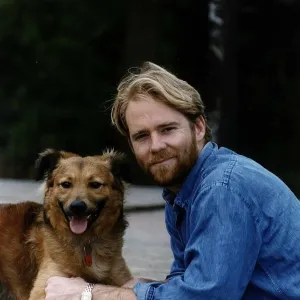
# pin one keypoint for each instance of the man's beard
(175, 173)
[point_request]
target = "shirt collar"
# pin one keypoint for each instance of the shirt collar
(195, 175)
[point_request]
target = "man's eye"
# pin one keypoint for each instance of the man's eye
(66, 184)
(95, 185)
(140, 137)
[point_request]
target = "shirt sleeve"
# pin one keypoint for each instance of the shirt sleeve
(220, 254)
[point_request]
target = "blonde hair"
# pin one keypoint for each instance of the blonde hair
(163, 86)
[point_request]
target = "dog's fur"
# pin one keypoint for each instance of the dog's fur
(38, 241)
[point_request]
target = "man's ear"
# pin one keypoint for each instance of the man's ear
(46, 163)
(121, 167)
(200, 128)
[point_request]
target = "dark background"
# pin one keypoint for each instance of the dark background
(60, 63)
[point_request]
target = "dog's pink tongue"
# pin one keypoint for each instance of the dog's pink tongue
(78, 225)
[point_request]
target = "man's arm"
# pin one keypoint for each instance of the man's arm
(63, 288)
(101, 292)
(132, 282)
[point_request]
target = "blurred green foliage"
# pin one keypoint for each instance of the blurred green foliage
(58, 69)
(61, 62)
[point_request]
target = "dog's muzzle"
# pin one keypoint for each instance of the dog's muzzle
(79, 216)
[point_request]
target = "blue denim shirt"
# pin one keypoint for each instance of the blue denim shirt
(235, 234)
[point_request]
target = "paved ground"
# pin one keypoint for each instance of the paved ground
(146, 250)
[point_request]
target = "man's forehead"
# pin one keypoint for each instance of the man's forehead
(142, 114)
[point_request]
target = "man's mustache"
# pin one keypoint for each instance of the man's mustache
(161, 156)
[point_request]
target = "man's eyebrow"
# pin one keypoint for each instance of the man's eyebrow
(166, 124)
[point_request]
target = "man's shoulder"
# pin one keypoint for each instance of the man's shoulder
(229, 168)
(241, 175)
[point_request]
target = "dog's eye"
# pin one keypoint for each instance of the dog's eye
(66, 184)
(95, 185)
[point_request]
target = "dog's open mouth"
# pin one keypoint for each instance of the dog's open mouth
(80, 217)
(78, 225)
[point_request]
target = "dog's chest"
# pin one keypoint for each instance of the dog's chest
(96, 265)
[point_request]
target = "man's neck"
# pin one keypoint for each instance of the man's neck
(174, 188)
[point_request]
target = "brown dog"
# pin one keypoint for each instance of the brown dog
(78, 231)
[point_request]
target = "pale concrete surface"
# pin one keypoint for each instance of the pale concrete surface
(147, 247)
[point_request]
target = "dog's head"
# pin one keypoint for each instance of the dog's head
(83, 195)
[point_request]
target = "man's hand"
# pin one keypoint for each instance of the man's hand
(62, 288)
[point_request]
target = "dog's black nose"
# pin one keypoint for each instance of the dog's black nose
(78, 207)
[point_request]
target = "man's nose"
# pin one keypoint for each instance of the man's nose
(157, 143)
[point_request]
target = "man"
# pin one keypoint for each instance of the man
(234, 226)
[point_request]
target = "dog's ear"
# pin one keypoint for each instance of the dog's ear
(46, 163)
(121, 167)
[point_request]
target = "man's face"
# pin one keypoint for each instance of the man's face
(164, 142)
